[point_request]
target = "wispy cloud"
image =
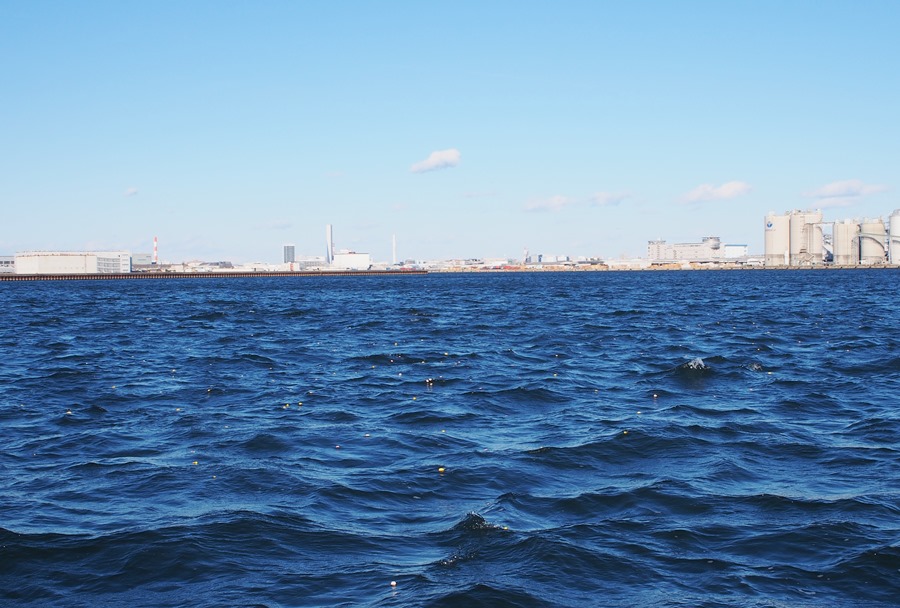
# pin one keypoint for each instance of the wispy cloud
(484, 194)
(560, 202)
(609, 199)
(131, 191)
(844, 192)
(440, 159)
(709, 192)
(278, 224)
(554, 203)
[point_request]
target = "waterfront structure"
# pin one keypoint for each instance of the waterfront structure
(142, 259)
(308, 263)
(798, 238)
(807, 239)
(73, 262)
(894, 237)
(872, 241)
(778, 240)
(707, 250)
(7, 264)
(329, 245)
(794, 239)
(657, 250)
(350, 260)
(733, 251)
(289, 255)
(845, 243)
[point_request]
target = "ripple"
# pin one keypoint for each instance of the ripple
(573, 439)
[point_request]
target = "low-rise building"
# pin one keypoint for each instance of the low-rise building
(350, 260)
(709, 249)
(73, 262)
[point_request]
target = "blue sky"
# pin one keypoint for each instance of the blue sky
(466, 129)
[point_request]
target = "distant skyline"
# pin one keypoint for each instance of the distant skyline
(466, 129)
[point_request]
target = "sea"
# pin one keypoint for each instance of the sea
(624, 439)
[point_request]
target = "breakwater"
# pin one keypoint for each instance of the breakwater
(202, 275)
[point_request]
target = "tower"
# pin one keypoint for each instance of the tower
(329, 245)
(288, 254)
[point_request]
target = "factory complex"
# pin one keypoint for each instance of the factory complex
(794, 239)
(65, 263)
(710, 249)
(802, 238)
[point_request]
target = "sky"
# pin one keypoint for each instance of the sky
(468, 129)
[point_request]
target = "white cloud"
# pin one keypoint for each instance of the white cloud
(608, 199)
(440, 159)
(131, 191)
(709, 192)
(845, 191)
(554, 203)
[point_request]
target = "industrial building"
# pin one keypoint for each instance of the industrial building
(894, 236)
(350, 260)
(7, 264)
(709, 249)
(73, 262)
(799, 238)
(144, 260)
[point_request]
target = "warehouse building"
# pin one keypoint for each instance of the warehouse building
(73, 262)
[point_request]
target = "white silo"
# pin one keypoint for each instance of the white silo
(815, 238)
(894, 234)
(846, 243)
(807, 240)
(798, 237)
(778, 239)
(872, 238)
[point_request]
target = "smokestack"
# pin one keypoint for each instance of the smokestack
(155, 251)
(329, 245)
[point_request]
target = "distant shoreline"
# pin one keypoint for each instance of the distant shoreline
(350, 273)
(202, 275)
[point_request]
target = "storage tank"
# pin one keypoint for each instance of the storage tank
(778, 239)
(894, 234)
(713, 242)
(845, 240)
(807, 240)
(815, 238)
(872, 238)
(798, 238)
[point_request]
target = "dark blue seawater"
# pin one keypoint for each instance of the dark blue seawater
(575, 439)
